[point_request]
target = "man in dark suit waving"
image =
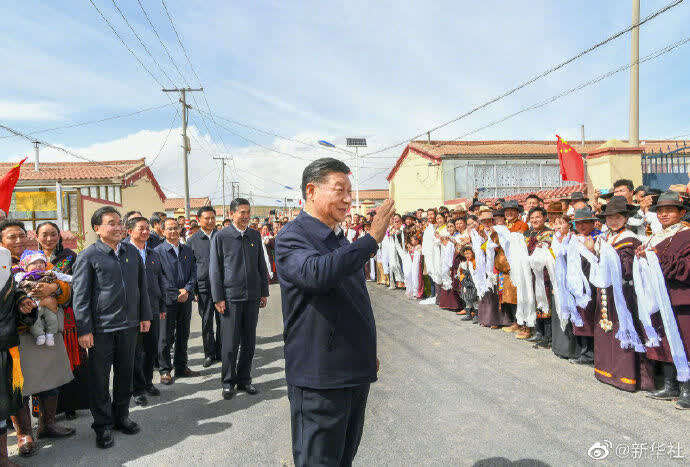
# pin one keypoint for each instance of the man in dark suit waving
(200, 243)
(239, 286)
(179, 267)
(330, 334)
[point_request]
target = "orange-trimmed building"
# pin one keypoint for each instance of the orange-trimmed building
(69, 192)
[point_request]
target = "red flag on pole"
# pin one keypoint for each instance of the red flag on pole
(7, 184)
(571, 162)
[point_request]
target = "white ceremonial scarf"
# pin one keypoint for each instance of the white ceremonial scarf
(447, 256)
(656, 298)
(385, 246)
(6, 263)
(610, 274)
(521, 276)
(268, 262)
(568, 307)
(483, 274)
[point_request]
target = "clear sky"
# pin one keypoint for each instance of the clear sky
(311, 70)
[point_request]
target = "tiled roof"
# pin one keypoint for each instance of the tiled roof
(560, 192)
(74, 170)
(178, 203)
(436, 151)
(373, 194)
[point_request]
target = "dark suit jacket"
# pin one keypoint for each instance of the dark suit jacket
(157, 283)
(237, 268)
(201, 245)
(109, 290)
(187, 270)
(329, 329)
(154, 240)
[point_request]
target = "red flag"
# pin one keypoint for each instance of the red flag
(7, 184)
(571, 162)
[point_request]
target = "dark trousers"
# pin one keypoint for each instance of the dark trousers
(327, 424)
(585, 346)
(239, 333)
(543, 327)
(207, 311)
(145, 357)
(111, 349)
(432, 287)
(174, 328)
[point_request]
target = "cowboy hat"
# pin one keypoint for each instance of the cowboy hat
(618, 205)
(669, 198)
(485, 212)
(576, 196)
(513, 204)
(584, 215)
(554, 207)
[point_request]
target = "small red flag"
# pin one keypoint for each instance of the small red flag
(571, 162)
(7, 184)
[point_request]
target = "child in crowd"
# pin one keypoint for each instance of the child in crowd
(413, 290)
(33, 270)
(468, 292)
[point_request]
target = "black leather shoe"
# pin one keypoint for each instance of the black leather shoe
(670, 391)
(228, 393)
(467, 317)
(104, 439)
(185, 372)
(127, 426)
(152, 390)
(248, 388)
(141, 400)
(208, 361)
(582, 360)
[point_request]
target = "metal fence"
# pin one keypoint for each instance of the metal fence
(666, 168)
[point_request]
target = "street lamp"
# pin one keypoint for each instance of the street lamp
(351, 143)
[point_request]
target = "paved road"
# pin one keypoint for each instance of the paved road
(449, 393)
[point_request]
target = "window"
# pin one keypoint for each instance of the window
(111, 193)
(118, 195)
(84, 191)
(93, 192)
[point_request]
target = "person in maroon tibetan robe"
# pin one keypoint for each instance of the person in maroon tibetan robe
(584, 220)
(672, 246)
(622, 368)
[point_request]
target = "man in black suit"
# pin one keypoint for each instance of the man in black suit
(330, 334)
(239, 286)
(111, 305)
(156, 233)
(147, 343)
(200, 243)
(179, 268)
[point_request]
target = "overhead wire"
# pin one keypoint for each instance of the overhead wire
(91, 122)
(657, 53)
(536, 77)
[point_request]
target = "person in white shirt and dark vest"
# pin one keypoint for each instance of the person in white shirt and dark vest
(239, 286)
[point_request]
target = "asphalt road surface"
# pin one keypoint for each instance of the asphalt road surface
(449, 393)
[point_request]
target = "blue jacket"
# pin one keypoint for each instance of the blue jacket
(329, 329)
(157, 283)
(109, 290)
(237, 269)
(184, 277)
(201, 245)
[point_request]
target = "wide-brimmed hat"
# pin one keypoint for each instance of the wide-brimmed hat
(500, 212)
(576, 196)
(554, 207)
(584, 214)
(485, 212)
(477, 205)
(618, 205)
(512, 204)
(669, 198)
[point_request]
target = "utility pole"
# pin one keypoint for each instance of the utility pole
(222, 161)
(235, 189)
(185, 142)
(634, 128)
(36, 143)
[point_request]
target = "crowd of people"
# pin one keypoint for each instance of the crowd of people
(123, 303)
(601, 280)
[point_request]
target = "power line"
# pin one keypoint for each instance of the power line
(165, 140)
(112, 28)
(117, 171)
(596, 79)
(141, 41)
(535, 78)
(91, 122)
